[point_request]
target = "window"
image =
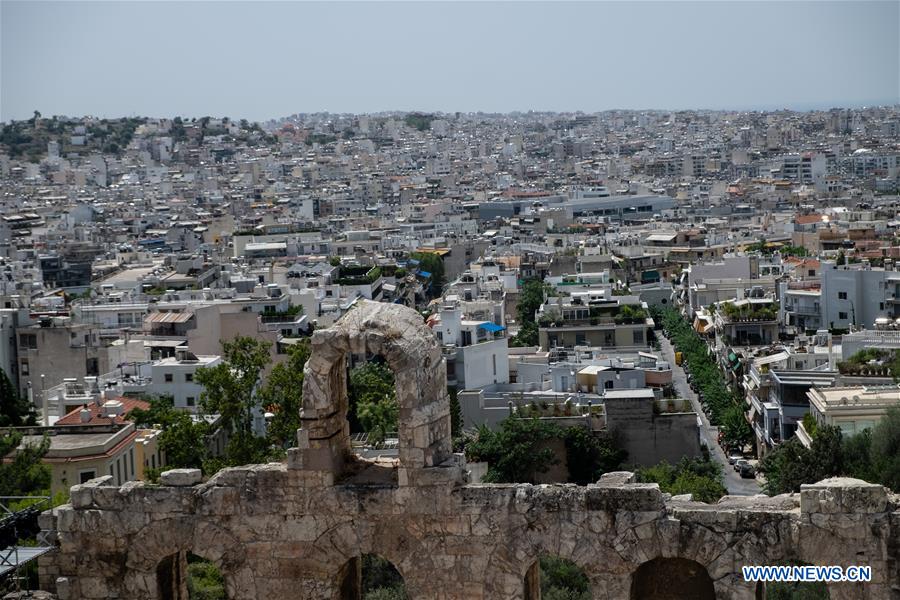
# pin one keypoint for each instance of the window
(637, 337)
(191, 401)
(131, 460)
(842, 315)
(119, 471)
(168, 377)
(189, 377)
(811, 273)
(28, 341)
(23, 366)
(86, 476)
(842, 295)
(881, 306)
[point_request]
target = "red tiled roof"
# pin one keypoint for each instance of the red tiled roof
(128, 405)
(807, 219)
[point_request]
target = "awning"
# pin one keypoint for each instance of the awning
(492, 327)
(701, 324)
(169, 317)
(425, 274)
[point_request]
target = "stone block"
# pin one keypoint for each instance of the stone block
(181, 477)
(843, 495)
(631, 497)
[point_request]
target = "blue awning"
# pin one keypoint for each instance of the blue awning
(492, 327)
(424, 273)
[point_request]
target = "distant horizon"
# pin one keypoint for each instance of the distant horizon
(265, 59)
(822, 108)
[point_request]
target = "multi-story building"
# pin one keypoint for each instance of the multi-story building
(593, 319)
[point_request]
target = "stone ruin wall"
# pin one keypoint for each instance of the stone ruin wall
(296, 530)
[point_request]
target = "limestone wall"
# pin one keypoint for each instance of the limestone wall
(279, 533)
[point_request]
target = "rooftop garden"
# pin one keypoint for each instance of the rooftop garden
(872, 362)
(290, 313)
(631, 313)
(358, 275)
(749, 312)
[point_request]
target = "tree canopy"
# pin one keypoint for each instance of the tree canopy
(283, 396)
(434, 264)
(24, 474)
(872, 455)
(373, 400)
(15, 410)
(530, 299)
(700, 477)
(518, 451)
(183, 440)
(229, 390)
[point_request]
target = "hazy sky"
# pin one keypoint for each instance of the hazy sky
(260, 60)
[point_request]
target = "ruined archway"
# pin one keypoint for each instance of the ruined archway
(185, 575)
(158, 566)
(370, 576)
(398, 334)
(551, 576)
(672, 579)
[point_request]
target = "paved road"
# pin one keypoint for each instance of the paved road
(735, 484)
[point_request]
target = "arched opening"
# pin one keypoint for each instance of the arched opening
(555, 578)
(373, 418)
(792, 590)
(186, 576)
(672, 579)
(412, 353)
(371, 577)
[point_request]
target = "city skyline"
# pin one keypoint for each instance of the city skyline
(487, 57)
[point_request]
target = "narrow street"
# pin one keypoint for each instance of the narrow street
(735, 484)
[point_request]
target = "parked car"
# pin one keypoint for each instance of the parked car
(747, 471)
(740, 464)
(733, 457)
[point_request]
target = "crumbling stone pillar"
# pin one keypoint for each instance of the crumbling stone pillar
(398, 334)
(838, 518)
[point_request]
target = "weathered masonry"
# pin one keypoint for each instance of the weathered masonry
(297, 530)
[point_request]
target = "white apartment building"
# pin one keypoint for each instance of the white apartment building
(175, 377)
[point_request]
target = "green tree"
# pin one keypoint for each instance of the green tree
(735, 431)
(885, 449)
(791, 464)
(515, 452)
(562, 579)
(204, 580)
(183, 440)
(381, 580)
(700, 477)
(588, 456)
(373, 400)
(434, 264)
(455, 413)
(283, 396)
(15, 410)
(530, 299)
(24, 473)
(229, 390)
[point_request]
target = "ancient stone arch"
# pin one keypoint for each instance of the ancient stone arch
(288, 530)
(397, 333)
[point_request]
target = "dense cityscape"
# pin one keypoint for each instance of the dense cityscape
(449, 300)
(706, 298)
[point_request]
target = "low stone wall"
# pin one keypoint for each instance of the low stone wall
(282, 533)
